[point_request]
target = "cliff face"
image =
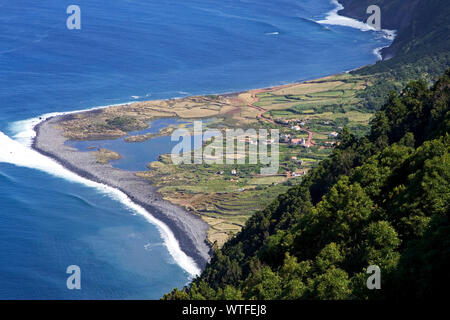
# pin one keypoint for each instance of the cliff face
(419, 23)
(395, 14)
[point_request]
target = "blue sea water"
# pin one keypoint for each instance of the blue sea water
(133, 50)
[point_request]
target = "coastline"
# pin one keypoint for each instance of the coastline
(334, 18)
(189, 230)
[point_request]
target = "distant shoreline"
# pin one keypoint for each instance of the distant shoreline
(189, 229)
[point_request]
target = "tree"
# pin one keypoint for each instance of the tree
(263, 285)
(380, 246)
(331, 285)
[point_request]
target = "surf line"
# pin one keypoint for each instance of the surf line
(333, 18)
(18, 152)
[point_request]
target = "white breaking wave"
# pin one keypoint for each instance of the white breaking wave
(18, 152)
(377, 52)
(24, 129)
(333, 18)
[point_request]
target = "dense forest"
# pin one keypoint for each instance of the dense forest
(378, 200)
(382, 199)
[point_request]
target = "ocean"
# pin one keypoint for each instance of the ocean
(132, 50)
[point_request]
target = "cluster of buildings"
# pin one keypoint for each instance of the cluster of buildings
(291, 122)
(287, 138)
(299, 142)
(298, 127)
(298, 173)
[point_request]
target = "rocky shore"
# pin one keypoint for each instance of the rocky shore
(190, 230)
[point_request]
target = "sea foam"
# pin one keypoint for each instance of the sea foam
(18, 152)
(333, 18)
(23, 130)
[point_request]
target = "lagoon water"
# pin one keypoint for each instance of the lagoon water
(132, 50)
(135, 155)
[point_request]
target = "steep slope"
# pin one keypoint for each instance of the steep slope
(419, 22)
(382, 199)
(379, 200)
(420, 50)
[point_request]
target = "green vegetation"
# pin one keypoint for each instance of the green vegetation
(394, 73)
(224, 200)
(147, 136)
(382, 199)
(334, 101)
(421, 49)
(104, 156)
(332, 94)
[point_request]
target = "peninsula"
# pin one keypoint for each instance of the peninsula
(201, 204)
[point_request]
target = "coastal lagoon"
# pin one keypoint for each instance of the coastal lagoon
(131, 51)
(136, 155)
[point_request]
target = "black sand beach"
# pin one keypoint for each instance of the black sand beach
(190, 230)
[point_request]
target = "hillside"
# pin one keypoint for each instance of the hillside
(382, 199)
(379, 200)
(419, 23)
(420, 50)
